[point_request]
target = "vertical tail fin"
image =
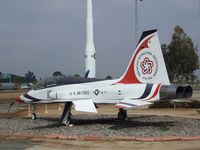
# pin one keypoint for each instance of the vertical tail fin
(147, 63)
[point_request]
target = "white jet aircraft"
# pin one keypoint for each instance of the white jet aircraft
(144, 82)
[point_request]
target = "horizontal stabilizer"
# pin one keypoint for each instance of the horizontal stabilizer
(131, 103)
(84, 105)
(181, 101)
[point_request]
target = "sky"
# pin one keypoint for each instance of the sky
(44, 36)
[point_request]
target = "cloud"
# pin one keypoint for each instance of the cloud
(48, 35)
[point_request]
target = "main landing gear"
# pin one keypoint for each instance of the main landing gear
(122, 114)
(33, 115)
(66, 115)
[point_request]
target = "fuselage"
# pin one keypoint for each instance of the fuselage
(106, 91)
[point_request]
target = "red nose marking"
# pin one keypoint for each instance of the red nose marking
(19, 100)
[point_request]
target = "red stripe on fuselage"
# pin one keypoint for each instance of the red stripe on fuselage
(117, 106)
(156, 91)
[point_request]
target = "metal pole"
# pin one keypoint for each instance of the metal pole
(59, 106)
(29, 110)
(10, 78)
(199, 16)
(199, 24)
(46, 109)
(136, 23)
(199, 10)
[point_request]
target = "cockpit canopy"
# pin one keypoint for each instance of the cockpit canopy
(62, 80)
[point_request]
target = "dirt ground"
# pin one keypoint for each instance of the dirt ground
(56, 109)
(10, 95)
(41, 144)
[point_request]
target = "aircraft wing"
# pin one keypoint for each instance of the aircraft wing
(84, 105)
(131, 103)
(80, 104)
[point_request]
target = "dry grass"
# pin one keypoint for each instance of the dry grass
(10, 95)
(198, 111)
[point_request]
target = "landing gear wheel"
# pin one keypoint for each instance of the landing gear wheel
(33, 116)
(67, 122)
(122, 114)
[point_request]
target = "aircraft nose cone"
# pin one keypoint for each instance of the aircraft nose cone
(19, 100)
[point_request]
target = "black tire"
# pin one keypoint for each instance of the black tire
(120, 116)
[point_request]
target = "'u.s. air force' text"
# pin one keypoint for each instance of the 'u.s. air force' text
(79, 93)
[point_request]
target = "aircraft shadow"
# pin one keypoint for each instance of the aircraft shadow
(54, 122)
(120, 124)
(114, 123)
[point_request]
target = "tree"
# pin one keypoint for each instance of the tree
(57, 73)
(30, 77)
(17, 81)
(108, 77)
(181, 56)
(77, 75)
(165, 51)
